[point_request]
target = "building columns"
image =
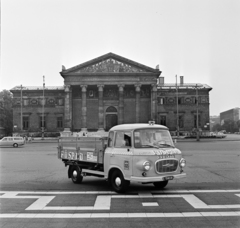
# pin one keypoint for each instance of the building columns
(137, 88)
(154, 102)
(68, 108)
(121, 104)
(100, 108)
(84, 107)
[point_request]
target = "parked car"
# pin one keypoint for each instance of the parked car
(12, 141)
(220, 135)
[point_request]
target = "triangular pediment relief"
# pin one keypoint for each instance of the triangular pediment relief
(110, 66)
(109, 63)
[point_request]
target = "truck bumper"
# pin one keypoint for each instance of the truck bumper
(156, 179)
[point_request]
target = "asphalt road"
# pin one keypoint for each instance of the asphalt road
(213, 181)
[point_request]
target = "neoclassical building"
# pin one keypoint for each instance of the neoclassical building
(110, 90)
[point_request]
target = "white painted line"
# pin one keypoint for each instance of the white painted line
(194, 201)
(102, 203)
(137, 215)
(85, 215)
(40, 203)
(121, 215)
(151, 204)
(145, 194)
(118, 215)
(166, 196)
(155, 215)
(207, 214)
(100, 215)
(23, 215)
(192, 214)
(228, 213)
(171, 215)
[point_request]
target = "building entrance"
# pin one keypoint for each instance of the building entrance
(111, 117)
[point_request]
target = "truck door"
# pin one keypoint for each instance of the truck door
(122, 152)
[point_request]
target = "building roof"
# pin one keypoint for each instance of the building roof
(183, 86)
(137, 126)
(16, 88)
(95, 66)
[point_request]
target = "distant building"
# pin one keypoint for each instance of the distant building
(213, 121)
(110, 90)
(232, 114)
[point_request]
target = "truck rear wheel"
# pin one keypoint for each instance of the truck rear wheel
(160, 184)
(118, 183)
(75, 174)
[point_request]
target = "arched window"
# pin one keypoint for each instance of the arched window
(111, 109)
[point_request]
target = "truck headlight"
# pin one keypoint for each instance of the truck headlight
(146, 165)
(182, 162)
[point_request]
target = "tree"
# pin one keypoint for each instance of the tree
(217, 127)
(6, 117)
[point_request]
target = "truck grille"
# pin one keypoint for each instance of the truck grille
(166, 166)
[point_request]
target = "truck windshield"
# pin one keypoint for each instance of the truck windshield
(152, 138)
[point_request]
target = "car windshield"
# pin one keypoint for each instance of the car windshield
(152, 138)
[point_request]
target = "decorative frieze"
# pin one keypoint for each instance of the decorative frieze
(110, 66)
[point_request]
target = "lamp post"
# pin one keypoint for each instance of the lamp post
(177, 108)
(43, 109)
(198, 136)
(21, 110)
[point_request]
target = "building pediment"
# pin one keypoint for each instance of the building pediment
(109, 63)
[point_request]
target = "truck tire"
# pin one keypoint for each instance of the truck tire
(160, 184)
(117, 182)
(75, 174)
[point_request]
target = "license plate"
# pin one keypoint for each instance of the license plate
(168, 178)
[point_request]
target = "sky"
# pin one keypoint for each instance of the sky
(198, 39)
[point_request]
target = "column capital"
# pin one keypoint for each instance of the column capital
(121, 87)
(137, 87)
(67, 88)
(84, 88)
(154, 87)
(100, 87)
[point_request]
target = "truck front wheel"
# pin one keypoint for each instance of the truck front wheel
(75, 174)
(118, 183)
(160, 184)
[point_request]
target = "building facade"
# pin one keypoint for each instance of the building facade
(232, 114)
(107, 91)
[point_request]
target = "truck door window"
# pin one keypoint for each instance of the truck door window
(110, 139)
(123, 139)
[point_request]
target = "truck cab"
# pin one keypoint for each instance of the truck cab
(142, 153)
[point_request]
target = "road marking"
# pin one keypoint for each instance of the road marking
(103, 202)
(120, 215)
(114, 193)
(150, 204)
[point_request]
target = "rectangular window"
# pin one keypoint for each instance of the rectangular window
(123, 139)
(161, 100)
(180, 100)
(181, 121)
(25, 122)
(195, 121)
(42, 121)
(59, 122)
(163, 120)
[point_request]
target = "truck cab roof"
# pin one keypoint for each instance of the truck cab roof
(137, 126)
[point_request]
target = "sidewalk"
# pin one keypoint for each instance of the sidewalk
(229, 137)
